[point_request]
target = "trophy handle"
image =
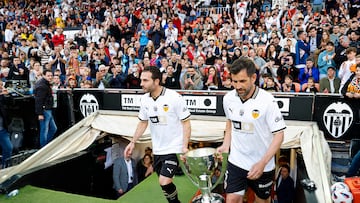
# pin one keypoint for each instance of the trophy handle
(183, 168)
(223, 169)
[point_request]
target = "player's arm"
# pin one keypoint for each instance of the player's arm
(140, 129)
(187, 133)
(274, 147)
(258, 168)
(227, 139)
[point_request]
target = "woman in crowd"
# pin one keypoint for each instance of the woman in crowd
(212, 80)
(144, 167)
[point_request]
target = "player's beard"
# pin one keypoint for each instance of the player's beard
(244, 93)
(149, 89)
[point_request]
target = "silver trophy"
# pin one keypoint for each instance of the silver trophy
(200, 166)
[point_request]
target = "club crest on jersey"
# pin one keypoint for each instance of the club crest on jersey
(338, 118)
(255, 113)
(166, 107)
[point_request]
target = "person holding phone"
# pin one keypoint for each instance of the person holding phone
(212, 79)
(192, 80)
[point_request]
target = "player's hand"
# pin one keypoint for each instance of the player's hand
(41, 117)
(219, 151)
(129, 149)
(182, 156)
(256, 171)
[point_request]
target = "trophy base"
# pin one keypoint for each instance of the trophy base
(215, 198)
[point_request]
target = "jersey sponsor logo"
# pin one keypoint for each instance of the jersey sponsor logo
(237, 125)
(166, 107)
(154, 119)
(255, 113)
(337, 118)
(88, 104)
(243, 126)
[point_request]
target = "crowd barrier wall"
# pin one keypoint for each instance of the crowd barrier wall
(336, 116)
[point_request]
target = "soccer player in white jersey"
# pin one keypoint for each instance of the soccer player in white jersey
(254, 133)
(170, 128)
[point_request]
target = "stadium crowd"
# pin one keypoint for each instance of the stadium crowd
(299, 46)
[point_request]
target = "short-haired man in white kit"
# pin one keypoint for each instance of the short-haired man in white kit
(170, 128)
(254, 133)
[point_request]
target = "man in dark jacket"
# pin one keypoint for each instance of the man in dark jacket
(43, 107)
(285, 190)
(124, 174)
(157, 33)
(5, 142)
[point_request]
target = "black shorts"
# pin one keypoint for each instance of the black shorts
(236, 181)
(166, 165)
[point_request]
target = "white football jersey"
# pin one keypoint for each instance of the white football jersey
(253, 123)
(164, 116)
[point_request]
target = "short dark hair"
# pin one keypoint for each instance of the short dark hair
(351, 49)
(46, 70)
(241, 64)
(286, 166)
(330, 43)
(299, 32)
(155, 72)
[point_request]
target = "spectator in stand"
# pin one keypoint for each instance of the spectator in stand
(102, 78)
(118, 79)
(269, 69)
(212, 80)
(310, 86)
(58, 38)
(191, 80)
(345, 68)
(172, 78)
(351, 88)
(309, 71)
(288, 68)
(144, 167)
(340, 50)
(18, 71)
(133, 78)
(354, 39)
(157, 33)
(302, 50)
(5, 142)
(95, 63)
(288, 85)
(57, 62)
(326, 59)
(44, 52)
(270, 86)
(331, 83)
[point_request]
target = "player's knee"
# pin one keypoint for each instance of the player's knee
(263, 196)
(234, 197)
(163, 180)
